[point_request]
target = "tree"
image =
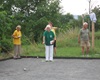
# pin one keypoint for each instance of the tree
(66, 20)
(32, 15)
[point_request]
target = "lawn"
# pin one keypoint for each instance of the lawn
(67, 46)
(62, 52)
(67, 52)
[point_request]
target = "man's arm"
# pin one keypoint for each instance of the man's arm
(79, 38)
(55, 28)
(89, 35)
(54, 38)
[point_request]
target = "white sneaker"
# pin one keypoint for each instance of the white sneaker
(83, 55)
(87, 55)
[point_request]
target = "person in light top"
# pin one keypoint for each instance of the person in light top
(84, 38)
(53, 29)
(48, 40)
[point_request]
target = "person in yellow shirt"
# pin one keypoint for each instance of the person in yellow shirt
(53, 29)
(17, 42)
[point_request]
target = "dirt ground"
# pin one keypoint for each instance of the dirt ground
(59, 69)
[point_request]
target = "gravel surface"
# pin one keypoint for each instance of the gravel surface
(59, 69)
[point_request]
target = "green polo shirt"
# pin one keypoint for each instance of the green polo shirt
(84, 34)
(49, 36)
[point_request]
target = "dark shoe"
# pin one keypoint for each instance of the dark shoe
(19, 57)
(14, 57)
(51, 61)
(47, 61)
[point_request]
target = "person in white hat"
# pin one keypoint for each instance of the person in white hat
(53, 29)
(48, 40)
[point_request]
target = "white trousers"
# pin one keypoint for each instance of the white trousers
(49, 52)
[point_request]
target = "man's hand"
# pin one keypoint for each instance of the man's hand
(43, 42)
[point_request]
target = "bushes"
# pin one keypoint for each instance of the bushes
(6, 45)
(97, 35)
(68, 38)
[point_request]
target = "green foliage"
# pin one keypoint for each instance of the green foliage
(66, 20)
(67, 46)
(97, 35)
(5, 26)
(68, 38)
(5, 31)
(6, 45)
(25, 40)
(32, 15)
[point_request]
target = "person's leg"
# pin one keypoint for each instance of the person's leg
(19, 50)
(55, 50)
(55, 47)
(83, 50)
(87, 47)
(82, 47)
(87, 51)
(15, 51)
(46, 53)
(51, 53)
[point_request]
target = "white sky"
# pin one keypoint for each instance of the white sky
(77, 7)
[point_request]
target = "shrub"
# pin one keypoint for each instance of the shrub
(6, 45)
(97, 35)
(68, 38)
(25, 40)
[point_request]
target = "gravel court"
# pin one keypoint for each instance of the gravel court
(59, 69)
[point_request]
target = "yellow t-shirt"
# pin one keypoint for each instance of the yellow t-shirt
(53, 30)
(17, 37)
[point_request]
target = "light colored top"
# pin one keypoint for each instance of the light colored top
(53, 29)
(84, 34)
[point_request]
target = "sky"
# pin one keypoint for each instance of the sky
(77, 7)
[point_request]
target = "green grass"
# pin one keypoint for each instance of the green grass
(68, 52)
(67, 46)
(5, 56)
(65, 52)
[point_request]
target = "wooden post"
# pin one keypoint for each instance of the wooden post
(93, 31)
(82, 18)
(93, 19)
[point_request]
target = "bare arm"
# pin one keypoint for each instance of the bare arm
(15, 37)
(78, 38)
(43, 39)
(45, 28)
(55, 28)
(89, 36)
